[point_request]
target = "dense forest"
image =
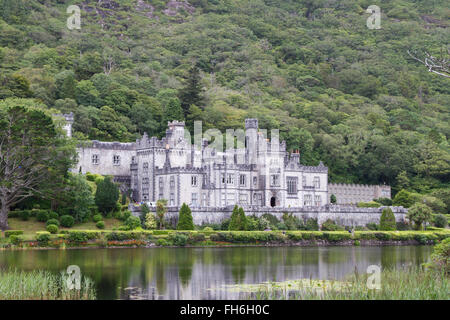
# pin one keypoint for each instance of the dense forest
(338, 91)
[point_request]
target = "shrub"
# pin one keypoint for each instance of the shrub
(9, 233)
(387, 220)
(162, 242)
(67, 221)
(53, 215)
(291, 222)
(106, 195)
(185, 221)
(273, 220)
(312, 225)
(372, 226)
(384, 201)
(97, 218)
(333, 199)
(281, 226)
(100, 224)
(125, 215)
(82, 236)
(24, 215)
(419, 213)
(330, 225)
(370, 204)
(225, 224)
(337, 236)
(421, 238)
(403, 226)
(43, 238)
(238, 219)
(440, 221)
(441, 254)
(15, 239)
(178, 239)
(52, 228)
(132, 223)
(52, 221)
(208, 229)
(42, 216)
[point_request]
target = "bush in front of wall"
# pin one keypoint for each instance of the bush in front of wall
(25, 215)
(100, 225)
(178, 239)
(67, 221)
(132, 223)
(52, 221)
(372, 226)
(52, 228)
(387, 220)
(185, 221)
(330, 225)
(440, 221)
(312, 225)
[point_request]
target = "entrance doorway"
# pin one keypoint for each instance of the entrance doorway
(273, 201)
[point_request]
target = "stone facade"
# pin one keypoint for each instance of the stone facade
(354, 193)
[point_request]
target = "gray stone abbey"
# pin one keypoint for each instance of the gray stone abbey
(260, 176)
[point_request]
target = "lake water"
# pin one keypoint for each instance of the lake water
(201, 273)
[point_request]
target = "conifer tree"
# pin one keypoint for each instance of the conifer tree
(106, 195)
(185, 221)
(387, 220)
(190, 94)
(238, 220)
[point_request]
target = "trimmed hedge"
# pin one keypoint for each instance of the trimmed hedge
(9, 233)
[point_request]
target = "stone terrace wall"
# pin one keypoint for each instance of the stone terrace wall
(342, 215)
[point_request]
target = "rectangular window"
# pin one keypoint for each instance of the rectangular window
(194, 199)
(145, 167)
(224, 199)
(172, 199)
(257, 198)
(317, 182)
(145, 180)
(95, 159)
(194, 181)
(291, 185)
(274, 180)
(230, 178)
(172, 182)
(222, 178)
(205, 200)
(243, 199)
(317, 201)
(304, 181)
(116, 160)
(255, 180)
(230, 199)
(242, 179)
(308, 200)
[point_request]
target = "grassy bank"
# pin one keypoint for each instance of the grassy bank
(41, 285)
(111, 238)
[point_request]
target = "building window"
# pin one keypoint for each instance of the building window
(145, 180)
(243, 199)
(161, 186)
(116, 160)
(145, 167)
(222, 178)
(257, 198)
(230, 178)
(317, 201)
(205, 200)
(172, 182)
(172, 199)
(291, 185)
(308, 200)
(304, 181)
(145, 194)
(194, 181)
(161, 196)
(255, 180)
(317, 182)
(194, 199)
(274, 180)
(95, 159)
(242, 179)
(230, 199)
(224, 199)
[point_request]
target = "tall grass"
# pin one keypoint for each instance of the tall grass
(42, 285)
(396, 284)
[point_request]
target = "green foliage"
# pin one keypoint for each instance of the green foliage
(42, 216)
(330, 225)
(150, 221)
(67, 221)
(52, 228)
(372, 226)
(440, 221)
(132, 223)
(52, 221)
(238, 219)
(370, 204)
(387, 220)
(53, 215)
(106, 196)
(419, 213)
(9, 233)
(311, 224)
(24, 215)
(100, 224)
(43, 237)
(384, 201)
(185, 221)
(404, 198)
(77, 197)
(333, 199)
(178, 239)
(97, 218)
(161, 210)
(441, 255)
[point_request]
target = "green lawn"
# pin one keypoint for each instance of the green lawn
(30, 226)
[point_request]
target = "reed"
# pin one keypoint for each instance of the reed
(42, 285)
(413, 283)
